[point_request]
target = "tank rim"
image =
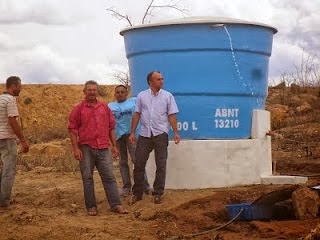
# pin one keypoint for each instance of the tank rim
(198, 20)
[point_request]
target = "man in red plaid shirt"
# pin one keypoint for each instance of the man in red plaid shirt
(92, 131)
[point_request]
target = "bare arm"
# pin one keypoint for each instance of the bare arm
(112, 136)
(17, 131)
(135, 121)
(113, 139)
(173, 123)
(74, 142)
(134, 124)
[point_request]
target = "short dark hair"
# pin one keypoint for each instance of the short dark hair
(121, 85)
(90, 82)
(13, 80)
(150, 75)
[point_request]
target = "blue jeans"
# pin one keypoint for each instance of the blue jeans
(144, 146)
(9, 155)
(102, 160)
(125, 146)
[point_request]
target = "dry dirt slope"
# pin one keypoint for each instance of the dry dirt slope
(44, 108)
(295, 115)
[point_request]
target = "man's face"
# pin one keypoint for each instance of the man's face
(16, 89)
(121, 94)
(91, 92)
(156, 80)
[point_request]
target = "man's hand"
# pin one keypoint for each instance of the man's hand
(77, 154)
(132, 138)
(176, 138)
(24, 147)
(115, 152)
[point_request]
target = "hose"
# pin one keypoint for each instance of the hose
(207, 231)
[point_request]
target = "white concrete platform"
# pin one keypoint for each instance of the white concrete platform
(223, 163)
(215, 163)
(283, 179)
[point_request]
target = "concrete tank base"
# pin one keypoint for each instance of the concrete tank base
(219, 163)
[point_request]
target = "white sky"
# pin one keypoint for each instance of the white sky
(71, 41)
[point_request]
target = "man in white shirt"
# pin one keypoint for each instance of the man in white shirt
(156, 110)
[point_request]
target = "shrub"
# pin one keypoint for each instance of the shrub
(27, 101)
(103, 91)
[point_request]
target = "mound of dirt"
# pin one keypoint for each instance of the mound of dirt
(44, 108)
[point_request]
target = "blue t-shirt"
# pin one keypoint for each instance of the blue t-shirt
(122, 112)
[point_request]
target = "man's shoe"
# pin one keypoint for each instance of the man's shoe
(157, 199)
(134, 199)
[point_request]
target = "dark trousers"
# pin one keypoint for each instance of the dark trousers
(125, 146)
(144, 146)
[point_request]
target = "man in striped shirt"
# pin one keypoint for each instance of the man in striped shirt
(9, 130)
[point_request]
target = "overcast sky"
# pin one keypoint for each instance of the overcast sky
(71, 41)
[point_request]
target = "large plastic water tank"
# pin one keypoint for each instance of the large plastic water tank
(217, 69)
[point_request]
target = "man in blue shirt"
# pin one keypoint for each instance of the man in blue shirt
(156, 110)
(123, 110)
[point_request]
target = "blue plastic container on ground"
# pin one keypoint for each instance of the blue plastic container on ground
(217, 69)
(250, 211)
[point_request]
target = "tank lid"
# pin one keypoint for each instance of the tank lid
(198, 20)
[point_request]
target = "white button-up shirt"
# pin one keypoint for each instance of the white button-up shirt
(154, 111)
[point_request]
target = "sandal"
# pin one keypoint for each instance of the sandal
(92, 211)
(121, 210)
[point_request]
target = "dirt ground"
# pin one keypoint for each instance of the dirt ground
(49, 205)
(48, 197)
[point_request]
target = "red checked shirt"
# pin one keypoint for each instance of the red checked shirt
(92, 124)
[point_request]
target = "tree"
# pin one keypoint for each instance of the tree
(305, 74)
(122, 76)
(152, 6)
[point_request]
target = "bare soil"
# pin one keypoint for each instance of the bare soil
(48, 197)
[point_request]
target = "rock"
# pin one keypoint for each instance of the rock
(279, 113)
(275, 135)
(278, 136)
(304, 108)
(305, 203)
(41, 169)
(284, 108)
(314, 234)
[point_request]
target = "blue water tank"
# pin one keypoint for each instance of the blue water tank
(217, 69)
